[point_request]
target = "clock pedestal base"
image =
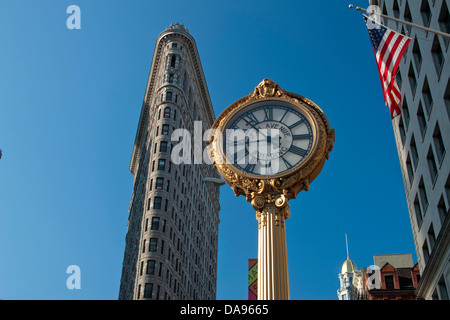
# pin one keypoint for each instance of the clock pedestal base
(273, 279)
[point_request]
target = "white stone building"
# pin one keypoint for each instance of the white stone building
(351, 281)
(422, 135)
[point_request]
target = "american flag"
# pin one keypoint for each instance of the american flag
(388, 47)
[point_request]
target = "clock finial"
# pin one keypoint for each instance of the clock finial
(267, 88)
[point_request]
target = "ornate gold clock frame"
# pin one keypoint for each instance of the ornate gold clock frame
(269, 195)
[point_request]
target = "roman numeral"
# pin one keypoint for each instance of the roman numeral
(267, 168)
(250, 119)
(268, 114)
(284, 115)
(250, 167)
(301, 136)
(288, 165)
(296, 124)
(298, 151)
(240, 142)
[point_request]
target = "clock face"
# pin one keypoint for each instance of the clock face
(268, 138)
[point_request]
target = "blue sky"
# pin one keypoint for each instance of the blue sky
(69, 107)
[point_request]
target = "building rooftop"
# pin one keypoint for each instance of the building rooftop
(348, 266)
(395, 260)
(177, 26)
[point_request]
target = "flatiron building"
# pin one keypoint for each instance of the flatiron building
(172, 230)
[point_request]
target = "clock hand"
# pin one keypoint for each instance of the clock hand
(274, 141)
(256, 129)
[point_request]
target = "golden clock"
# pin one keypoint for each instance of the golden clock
(271, 141)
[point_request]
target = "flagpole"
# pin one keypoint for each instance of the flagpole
(404, 22)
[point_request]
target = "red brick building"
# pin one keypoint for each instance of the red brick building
(394, 279)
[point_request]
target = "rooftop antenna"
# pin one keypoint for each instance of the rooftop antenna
(346, 245)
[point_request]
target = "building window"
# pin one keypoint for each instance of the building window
(148, 290)
(162, 247)
(160, 267)
(396, 9)
(432, 165)
(444, 21)
(167, 112)
(426, 13)
(155, 223)
(399, 80)
(159, 183)
(389, 281)
(438, 56)
(153, 245)
(158, 289)
(421, 120)
(412, 79)
(427, 99)
(165, 129)
(425, 252)
(171, 78)
(442, 209)
(163, 146)
(407, 16)
(405, 112)
(444, 18)
(173, 61)
(168, 96)
(447, 189)
(423, 195)
(417, 55)
(431, 237)
(447, 98)
(418, 212)
(384, 20)
(438, 144)
(157, 203)
(414, 153)
(150, 267)
(161, 164)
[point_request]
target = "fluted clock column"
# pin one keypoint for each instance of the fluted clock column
(273, 275)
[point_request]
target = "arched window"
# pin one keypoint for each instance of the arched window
(167, 112)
